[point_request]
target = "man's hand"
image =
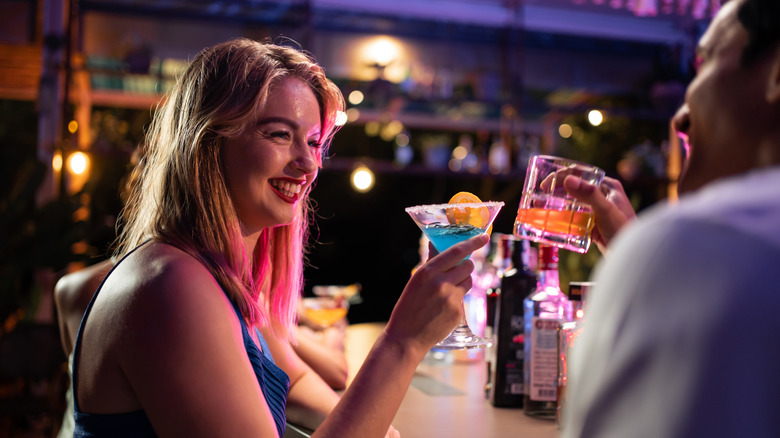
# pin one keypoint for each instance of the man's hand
(610, 204)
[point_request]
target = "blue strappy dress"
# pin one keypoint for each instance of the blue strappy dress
(273, 381)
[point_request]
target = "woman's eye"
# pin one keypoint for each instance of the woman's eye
(315, 144)
(280, 134)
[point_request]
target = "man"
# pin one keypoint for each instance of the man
(681, 333)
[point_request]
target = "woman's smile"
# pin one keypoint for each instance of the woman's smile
(287, 189)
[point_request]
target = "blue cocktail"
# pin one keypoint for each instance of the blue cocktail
(445, 225)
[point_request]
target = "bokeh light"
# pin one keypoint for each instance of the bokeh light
(565, 130)
(355, 97)
(595, 117)
(362, 179)
(353, 114)
(56, 162)
(372, 129)
(341, 118)
(78, 163)
(402, 139)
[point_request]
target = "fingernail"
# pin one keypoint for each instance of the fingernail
(573, 182)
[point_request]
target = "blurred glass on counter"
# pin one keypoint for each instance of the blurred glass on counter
(567, 338)
(329, 305)
(545, 311)
(350, 292)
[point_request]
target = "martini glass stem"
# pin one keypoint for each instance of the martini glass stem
(462, 337)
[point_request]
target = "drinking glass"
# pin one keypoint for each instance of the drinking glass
(547, 213)
(325, 310)
(445, 225)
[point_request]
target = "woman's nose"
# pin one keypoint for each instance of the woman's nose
(681, 120)
(307, 159)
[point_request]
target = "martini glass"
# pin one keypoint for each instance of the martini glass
(445, 225)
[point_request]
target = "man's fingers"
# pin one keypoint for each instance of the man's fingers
(585, 192)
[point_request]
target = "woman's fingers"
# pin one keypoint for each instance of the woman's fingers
(453, 255)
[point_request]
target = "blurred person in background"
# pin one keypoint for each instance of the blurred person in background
(177, 339)
(680, 338)
(71, 297)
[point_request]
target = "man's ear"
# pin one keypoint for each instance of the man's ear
(773, 81)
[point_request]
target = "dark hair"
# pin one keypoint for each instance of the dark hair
(761, 19)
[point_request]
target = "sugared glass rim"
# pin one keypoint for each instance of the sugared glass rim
(463, 205)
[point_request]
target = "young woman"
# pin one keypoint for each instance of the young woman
(210, 256)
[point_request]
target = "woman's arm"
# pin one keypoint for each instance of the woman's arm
(182, 359)
(323, 351)
(428, 309)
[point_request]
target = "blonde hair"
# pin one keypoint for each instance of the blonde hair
(179, 194)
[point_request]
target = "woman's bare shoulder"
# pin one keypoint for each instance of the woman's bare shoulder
(160, 269)
(162, 283)
(162, 310)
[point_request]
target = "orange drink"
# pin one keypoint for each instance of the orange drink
(547, 213)
(325, 316)
(576, 223)
(325, 310)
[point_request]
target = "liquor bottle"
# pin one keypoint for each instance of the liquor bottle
(567, 338)
(506, 387)
(502, 263)
(545, 310)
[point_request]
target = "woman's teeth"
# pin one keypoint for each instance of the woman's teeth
(286, 188)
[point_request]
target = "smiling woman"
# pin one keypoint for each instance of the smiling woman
(276, 159)
(189, 333)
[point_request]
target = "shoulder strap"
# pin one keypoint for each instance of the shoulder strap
(77, 344)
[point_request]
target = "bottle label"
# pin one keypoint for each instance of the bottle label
(544, 359)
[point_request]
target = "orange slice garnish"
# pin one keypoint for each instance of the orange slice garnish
(475, 216)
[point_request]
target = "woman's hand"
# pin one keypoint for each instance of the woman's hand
(431, 305)
(611, 207)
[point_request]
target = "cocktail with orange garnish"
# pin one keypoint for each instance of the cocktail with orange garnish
(445, 225)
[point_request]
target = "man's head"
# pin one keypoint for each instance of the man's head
(731, 114)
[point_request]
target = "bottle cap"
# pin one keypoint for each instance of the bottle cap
(506, 244)
(548, 257)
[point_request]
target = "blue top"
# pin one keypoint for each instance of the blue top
(273, 381)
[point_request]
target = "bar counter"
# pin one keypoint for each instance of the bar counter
(447, 399)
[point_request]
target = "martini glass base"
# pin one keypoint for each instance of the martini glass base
(462, 338)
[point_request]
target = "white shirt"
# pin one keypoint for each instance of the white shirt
(681, 335)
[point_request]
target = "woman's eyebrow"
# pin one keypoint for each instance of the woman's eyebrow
(284, 120)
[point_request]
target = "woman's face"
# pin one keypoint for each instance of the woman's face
(272, 163)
